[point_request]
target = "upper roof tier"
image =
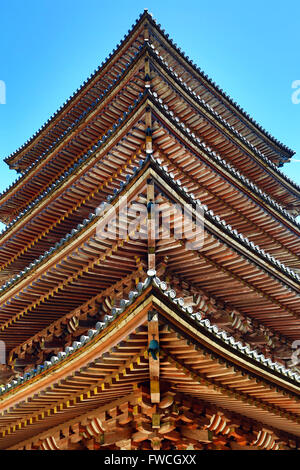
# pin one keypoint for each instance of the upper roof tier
(84, 98)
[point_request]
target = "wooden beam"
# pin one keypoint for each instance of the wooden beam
(151, 224)
(109, 438)
(154, 366)
(197, 434)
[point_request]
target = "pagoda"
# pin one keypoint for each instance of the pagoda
(120, 334)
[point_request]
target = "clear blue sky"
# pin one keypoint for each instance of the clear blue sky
(49, 47)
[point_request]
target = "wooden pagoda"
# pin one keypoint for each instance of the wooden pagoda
(138, 342)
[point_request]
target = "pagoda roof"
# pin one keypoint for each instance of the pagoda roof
(106, 364)
(83, 99)
(248, 187)
(79, 312)
(209, 214)
(210, 329)
(65, 259)
(36, 177)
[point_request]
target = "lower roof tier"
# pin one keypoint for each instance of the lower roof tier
(152, 340)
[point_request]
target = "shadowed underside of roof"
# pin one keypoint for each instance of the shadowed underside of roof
(112, 364)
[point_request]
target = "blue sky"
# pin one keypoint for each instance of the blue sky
(49, 47)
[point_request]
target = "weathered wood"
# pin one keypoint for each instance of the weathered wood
(109, 438)
(236, 446)
(197, 434)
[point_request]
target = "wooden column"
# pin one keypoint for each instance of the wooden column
(151, 224)
(154, 367)
(147, 73)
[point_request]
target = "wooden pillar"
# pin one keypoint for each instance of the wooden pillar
(154, 367)
(146, 32)
(147, 73)
(151, 224)
(148, 126)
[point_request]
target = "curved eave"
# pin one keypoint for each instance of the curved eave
(40, 274)
(263, 164)
(215, 89)
(73, 100)
(33, 171)
(217, 228)
(196, 338)
(262, 199)
(233, 177)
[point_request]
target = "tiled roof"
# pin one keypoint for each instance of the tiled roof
(204, 324)
(223, 121)
(216, 157)
(88, 155)
(220, 90)
(208, 214)
(69, 130)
